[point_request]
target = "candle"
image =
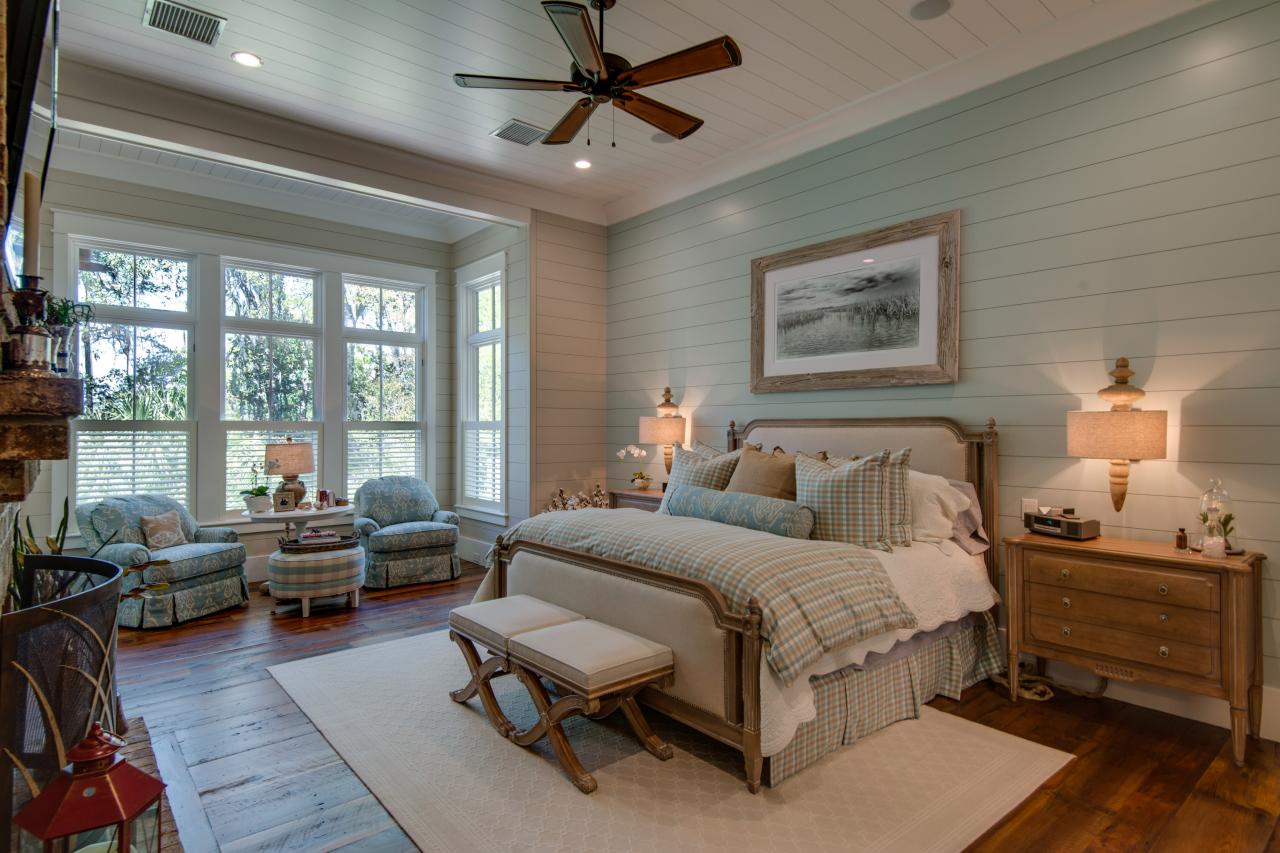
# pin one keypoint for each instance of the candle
(31, 224)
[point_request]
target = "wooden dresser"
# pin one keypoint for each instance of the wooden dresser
(1138, 611)
(635, 499)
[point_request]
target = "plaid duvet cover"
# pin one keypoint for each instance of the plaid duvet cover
(816, 596)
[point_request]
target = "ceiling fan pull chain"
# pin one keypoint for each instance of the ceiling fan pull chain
(613, 116)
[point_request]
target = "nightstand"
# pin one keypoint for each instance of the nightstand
(1130, 610)
(647, 499)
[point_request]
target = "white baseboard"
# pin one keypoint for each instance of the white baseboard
(473, 550)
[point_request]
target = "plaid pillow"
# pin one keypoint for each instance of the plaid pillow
(691, 468)
(897, 477)
(848, 497)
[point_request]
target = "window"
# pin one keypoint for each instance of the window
(383, 353)
(136, 434)
(204, 349)
(480, 364)
(269, 348)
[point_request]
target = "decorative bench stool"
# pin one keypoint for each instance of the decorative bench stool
(595, 667)
(316, 575)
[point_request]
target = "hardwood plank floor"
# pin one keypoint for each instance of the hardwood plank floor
(267, 780)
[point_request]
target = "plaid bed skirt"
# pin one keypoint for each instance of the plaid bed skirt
(855, 702)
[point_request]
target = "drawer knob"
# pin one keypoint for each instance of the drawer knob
(1066, 631)
(1066, 573)
(1164, 617)
(1163, 589)
(1164, 651)
(1066, 602)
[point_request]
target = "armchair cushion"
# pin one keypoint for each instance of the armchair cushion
(216, 534)
(394, 500)
(444, 516)
(98, 521)
(124, 554)
(195, 559)
(412, 535)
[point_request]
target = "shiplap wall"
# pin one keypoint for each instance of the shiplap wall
(73, 191)
(570, 258)
(1122, 202)
(515, 242)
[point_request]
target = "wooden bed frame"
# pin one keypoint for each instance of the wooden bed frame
(739, 726)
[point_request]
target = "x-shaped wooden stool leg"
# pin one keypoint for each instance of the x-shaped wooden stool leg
(481, 674)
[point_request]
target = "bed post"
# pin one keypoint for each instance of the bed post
(733, 436)
(752, 758)
(991, 498)
(499, 569)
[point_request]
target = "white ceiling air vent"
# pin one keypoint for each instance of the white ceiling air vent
(183, 21)
(519, 132)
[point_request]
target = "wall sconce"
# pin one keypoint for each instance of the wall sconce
(666, 429)
(1122, 434)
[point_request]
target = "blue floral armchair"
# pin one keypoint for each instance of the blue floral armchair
(204, 575)
(407, 538)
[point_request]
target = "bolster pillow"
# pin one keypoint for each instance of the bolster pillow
(741, 509)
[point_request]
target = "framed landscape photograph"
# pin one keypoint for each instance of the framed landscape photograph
(872, 309)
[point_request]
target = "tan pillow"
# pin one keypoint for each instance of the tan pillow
(163, 530)
(770, 474)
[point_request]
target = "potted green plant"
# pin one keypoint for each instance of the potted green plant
(62, 318)
(256, 498)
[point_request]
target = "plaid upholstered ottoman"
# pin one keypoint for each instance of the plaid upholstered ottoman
(308, 576)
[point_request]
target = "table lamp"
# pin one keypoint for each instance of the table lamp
(1122, 434)
(666, 429)
(291, 459)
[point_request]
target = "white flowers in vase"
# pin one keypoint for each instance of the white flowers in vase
(639, 479)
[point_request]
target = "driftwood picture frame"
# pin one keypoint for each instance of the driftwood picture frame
(875, 309)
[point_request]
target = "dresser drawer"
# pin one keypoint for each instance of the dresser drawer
(1165, 586)
(1159, 620)
(1140, 649)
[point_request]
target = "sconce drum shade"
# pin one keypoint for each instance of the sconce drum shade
(663, 431)
(291, 458)
(1117, 435)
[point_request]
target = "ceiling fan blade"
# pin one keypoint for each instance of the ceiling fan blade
(573, 22)
(483, 81)
(715, 55)
(667, 119)
(567, 128)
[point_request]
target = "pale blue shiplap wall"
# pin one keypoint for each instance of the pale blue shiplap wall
(1121, 202)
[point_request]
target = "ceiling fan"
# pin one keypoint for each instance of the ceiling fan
(604, 77)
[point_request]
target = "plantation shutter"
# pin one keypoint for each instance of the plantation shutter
(247, 447)
(131, 461)
(380, 453)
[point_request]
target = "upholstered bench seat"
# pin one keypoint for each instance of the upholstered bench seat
(589, 657)
(493, 623)
(596, 668)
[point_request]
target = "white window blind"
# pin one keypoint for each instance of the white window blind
(127, 461)
(381, 453)
(481, 339)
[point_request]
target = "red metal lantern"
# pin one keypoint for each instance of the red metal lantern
(100, 804)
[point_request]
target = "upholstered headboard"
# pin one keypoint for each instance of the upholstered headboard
(938, 446)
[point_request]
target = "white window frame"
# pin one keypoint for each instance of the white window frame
(417, 340)
(140, 317)
(206, 477)
(471, 278)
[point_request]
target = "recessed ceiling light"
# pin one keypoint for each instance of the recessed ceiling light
(247, 59)
(927, 10)
(868, 260)
(583, 164)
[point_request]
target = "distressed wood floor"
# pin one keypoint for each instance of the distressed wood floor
(248, 771)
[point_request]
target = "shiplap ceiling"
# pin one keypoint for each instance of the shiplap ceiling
(382, 70)
(154, 166)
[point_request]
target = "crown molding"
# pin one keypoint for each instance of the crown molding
(1099, 23)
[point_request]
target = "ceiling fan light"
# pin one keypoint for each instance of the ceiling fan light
(927, 10)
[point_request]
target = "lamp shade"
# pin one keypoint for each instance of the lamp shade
(1117, 435)
(663, 431)
(290, 458)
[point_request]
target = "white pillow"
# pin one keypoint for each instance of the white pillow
(935, 503)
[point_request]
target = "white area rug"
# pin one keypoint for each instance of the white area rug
(453, 784)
